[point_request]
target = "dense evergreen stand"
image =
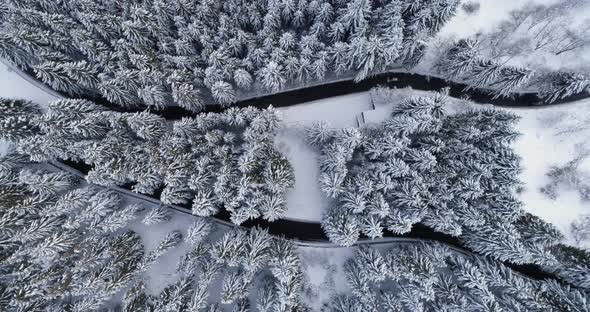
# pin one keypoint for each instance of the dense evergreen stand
(154, 53)
(430, 277)
(150, 53)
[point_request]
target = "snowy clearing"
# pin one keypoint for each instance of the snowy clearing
(549, 138)
(306, 201)
(492, 17)
(341, 111)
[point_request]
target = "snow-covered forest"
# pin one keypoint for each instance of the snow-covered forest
(536, 47)
(67, 246)
(214, 161)
(431, 277)
(455, 173)
(420, 165)
(190, 54)
(408, 161)
(385, 177)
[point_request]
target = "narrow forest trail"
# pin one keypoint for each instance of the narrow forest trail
(397, 78)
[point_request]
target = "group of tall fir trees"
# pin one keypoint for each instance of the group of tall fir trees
(212, 161)
(65, 246)
(431, 277)
(455, 173)
(188, 53)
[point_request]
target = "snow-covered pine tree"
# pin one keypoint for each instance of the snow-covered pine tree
(371, 262)
(156, 215)
(242, 78)
(223, 92)
(171, 240)
(459, 59)
(534, 230)
(285, 267)
(340, 226)
(17, 119)
(187, 96)
(147, 126)
(271, 77)
(510, 79)
(176, 296)
(560, 85)
(228, 250)
(257, 251)
(484, 73)
(56, 76)
(118, 219)
(199, 230)
(236, 286)
(463, 61)
(46, 183)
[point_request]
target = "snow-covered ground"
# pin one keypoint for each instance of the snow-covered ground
(549, 138)
(306, 201)
(163, 272)
(341, 111)
(323, 274)
(488, 19)
(14, 86)
(490, 14)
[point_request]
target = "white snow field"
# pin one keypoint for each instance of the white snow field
(306, 201)
(490, 14)
(340, 111)
(549, 138)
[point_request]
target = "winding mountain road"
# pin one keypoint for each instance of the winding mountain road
(310, 234)
(396, 78)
